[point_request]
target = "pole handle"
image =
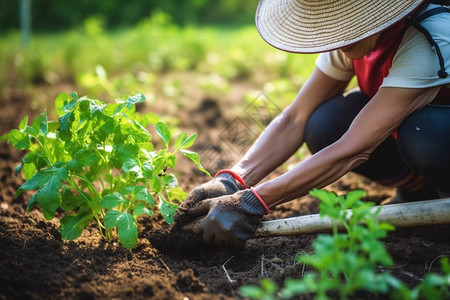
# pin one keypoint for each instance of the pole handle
(402, 215)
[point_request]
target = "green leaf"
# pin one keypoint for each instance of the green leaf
(38, 180)
(83, 158)
(109, 125)
(112, 200)
(18, 168)
(268, 285)
(141, 208)
(72, 225)
(167, 210)
(352, 197)
(4, 137)
(36, 125)
(146, 196)
(62, 173)
(29, 170)
(126, 227)
(130, 164)
(189, 141)
(48, 197)
(179, 140)
(196, 159)
(19, 139)
(164, 132)
(146, 136)
(147, 170)
(23, 123)
(64, 122)
(43, 128)
(60, 101)
(386, 226)
(111, 218)
(126, 151)
(157, 184)
(159, 162)
(69, 201)
(75, 166)
(170, 181)
(74, 96)
(176, 194)
(87, 157)
(31, 203)
(132, 100)
(127, 231)
(293, 287)
(251, 291)
(110, 110)
(52, 126)
(171, 160)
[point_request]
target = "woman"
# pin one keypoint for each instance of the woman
(394, 130)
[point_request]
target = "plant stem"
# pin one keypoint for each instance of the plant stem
(88, 202)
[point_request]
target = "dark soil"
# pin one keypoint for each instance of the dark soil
(36, 264)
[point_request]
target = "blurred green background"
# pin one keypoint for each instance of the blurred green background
(54, 15)
(175, 52)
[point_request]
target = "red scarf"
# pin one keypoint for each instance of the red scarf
(371, 69)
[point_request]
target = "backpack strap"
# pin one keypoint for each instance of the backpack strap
(416, 22)
(440, 2)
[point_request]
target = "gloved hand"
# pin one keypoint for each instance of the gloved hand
(225, 182)
(227, 220)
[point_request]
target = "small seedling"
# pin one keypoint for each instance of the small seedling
(98, 162)
(344, 262)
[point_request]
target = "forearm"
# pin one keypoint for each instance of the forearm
(276, 144)
(317, 171)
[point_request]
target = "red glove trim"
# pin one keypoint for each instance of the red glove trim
(260, 200)
(235, 176)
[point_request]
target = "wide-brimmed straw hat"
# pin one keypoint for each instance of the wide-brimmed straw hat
(312, 26)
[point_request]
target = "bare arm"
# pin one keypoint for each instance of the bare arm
(284, 135)
(385, 112)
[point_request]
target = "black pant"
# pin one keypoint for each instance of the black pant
(423, 143)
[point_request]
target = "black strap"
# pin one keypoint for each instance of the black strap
(441, 73)
(430, 13)
(416, 20)
(440, 2)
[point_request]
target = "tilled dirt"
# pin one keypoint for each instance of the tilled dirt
(36, 264)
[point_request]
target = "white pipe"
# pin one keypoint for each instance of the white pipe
(411, 214)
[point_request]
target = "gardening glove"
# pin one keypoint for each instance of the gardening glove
(225, 182)
(228, 220)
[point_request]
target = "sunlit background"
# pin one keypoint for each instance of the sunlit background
(165, 49)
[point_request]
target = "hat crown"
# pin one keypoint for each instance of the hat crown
(310, 26)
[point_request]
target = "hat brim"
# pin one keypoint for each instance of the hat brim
(313, 26)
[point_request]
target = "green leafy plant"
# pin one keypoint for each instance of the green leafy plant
(346, 261)
(98, 162)
(265, 291)
(433, 286)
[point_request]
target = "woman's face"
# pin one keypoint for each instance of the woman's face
(361, 48)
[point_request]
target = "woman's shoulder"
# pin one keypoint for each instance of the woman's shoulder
(416, 63)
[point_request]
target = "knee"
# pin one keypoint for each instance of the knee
(423, 140)
(332, 119)
(319, 131)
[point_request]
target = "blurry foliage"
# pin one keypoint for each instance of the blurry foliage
(57, 15)
(121, 61)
